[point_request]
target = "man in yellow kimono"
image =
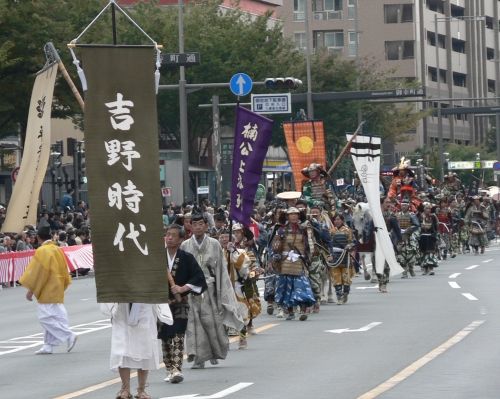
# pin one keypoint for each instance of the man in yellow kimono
(46, 278)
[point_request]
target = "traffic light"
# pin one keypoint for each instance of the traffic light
(288, 83)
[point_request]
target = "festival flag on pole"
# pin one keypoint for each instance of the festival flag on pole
(252, 135)
(306, 145)
(22, 209)
(121, 143)
(365, 152)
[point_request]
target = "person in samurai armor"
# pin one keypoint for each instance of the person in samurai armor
(403, 184)
(317, 188)
(341, 271)
(476, 218)
(318, 234)
(394, 231)
(290, 258)
(244, 240)
(452, 185)
(407, 253)
(443, 214)
(220, 224)
(456, 226)
(428, 239)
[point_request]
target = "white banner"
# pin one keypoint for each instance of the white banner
(22, 209)
(365, 152)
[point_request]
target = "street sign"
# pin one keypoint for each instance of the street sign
(360, 95)
(240, 84)
(202, 190)
(181, 59)
(166, 191)
(467, 110)
(496, 166)
(466, 165)
(272, 103)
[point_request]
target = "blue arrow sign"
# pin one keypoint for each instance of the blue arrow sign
(496, 166)
(240, 84)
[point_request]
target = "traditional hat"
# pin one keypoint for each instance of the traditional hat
(314, 166)
(292, 210)
(289, 195)
(404, 164)
(476, 197)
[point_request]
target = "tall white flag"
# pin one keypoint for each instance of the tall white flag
(365, 152)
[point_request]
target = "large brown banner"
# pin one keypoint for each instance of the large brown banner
(306, 144)
(122, 157)
(22, 209)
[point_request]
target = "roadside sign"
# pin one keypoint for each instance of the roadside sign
(240, 84)
(181, 59)
(166, 191)
(202, 190)
(465, 165)
(272, 103)
(496, 166)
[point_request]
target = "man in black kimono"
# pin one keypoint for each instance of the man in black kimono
(185, 276)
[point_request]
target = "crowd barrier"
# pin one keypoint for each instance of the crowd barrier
(13, 264)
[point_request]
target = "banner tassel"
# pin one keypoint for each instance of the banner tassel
(79, 70)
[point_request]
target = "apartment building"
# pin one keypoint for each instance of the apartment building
(401, 35)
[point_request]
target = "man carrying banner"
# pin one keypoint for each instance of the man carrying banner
(206, 338)
(185, 277)
(394, 231)
(46, 278)
(407, 254)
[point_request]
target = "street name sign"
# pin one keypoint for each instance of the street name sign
(465, 165)
(181, 59)
(202, 190)
(240, 84)
(272, 103)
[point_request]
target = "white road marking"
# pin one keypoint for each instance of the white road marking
(31, 341)
(362, 329)
(487, 260)
(454, 275)
(221, 394)
(469, 296)
(471, 267)
(366, 288)
(453, 284)
(418, 364)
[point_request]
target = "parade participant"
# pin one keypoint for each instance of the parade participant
(407, 254)
(134, 343)
(456, 226)
(317, 188)
(220, 223)
(452, 185)
(47, 278)
(356, 190)
(395, 234)
(428, 239)
(320, 231)
(403, 184)
(243, 239)
(289, 197)
(206, 338)
(185, 277)
(443, 214)
(340, 270)
(476, 219)
(290, 257)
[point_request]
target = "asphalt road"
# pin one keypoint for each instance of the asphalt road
(429, 337)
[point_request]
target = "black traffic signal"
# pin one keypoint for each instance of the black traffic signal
(288, 83)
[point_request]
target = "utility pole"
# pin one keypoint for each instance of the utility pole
(183, 122)
(310, 106)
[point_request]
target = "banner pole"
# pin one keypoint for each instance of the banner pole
(345, 149)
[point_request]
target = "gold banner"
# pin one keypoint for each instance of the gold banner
(22, 209)
(306, 144)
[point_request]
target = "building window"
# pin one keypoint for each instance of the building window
(353, 44)
(333, 41)
(327, 9)
(400, 50)
(299, 10)
(457, 11)
(490, 53)
(436, 5)
(299, 39)
(458, 45)
(431, 39)
(351, 9)
(398, 13)
(491, 86)
(489, 23)
(459, 79)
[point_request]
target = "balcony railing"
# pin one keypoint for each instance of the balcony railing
(327, 15)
